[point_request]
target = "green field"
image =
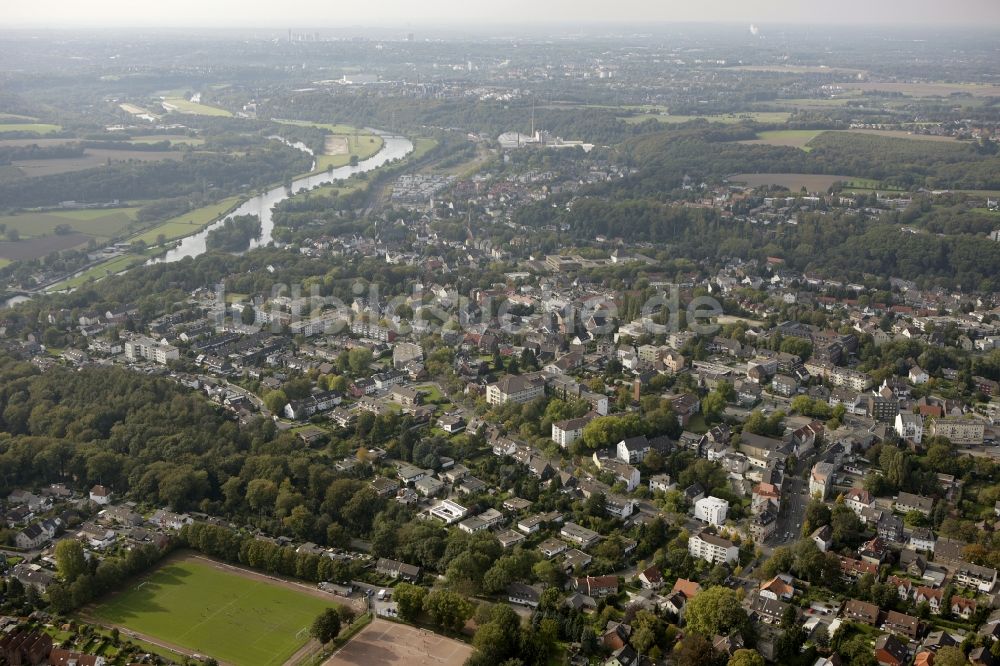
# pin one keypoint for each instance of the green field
(172, 229)
(37, 128)
(233, 618)
(332, 128)
(361, 146)
(101, 223)
(186, 224)
(174, 139)
(182, 105)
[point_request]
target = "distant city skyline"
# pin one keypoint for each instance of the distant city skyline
(316, 14)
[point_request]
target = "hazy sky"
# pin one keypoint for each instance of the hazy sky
(342, 13)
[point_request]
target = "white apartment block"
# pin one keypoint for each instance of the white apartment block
(711, 510)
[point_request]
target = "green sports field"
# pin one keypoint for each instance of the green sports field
(234, 618)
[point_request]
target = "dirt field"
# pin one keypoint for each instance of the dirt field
(93, 157)
(387, 643)
(793, 181)
(33, 248)
(336, 145)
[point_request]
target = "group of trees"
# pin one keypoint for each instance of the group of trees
(235, 234)
(82, 581)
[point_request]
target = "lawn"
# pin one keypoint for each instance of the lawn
(37, 128)
(181, 105)
(234, 618)
(100, 223)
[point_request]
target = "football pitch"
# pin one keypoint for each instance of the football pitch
(236, 617)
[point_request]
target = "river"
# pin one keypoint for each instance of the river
(395, 147)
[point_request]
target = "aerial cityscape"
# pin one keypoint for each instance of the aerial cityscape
(610, 335)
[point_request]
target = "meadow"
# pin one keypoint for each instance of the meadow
(37, 128)
(235, 616)
(182, 105)
(100, 223)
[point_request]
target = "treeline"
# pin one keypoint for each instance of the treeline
(10, 154)
(371, 110)
(101, 577)
(237, 547)
(235, 234)
(196, 173)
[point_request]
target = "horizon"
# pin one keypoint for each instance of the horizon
(451, 14)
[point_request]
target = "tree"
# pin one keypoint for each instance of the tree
(746, 657)
(409, 600)
(950, 656)
(499, 638)
(447, 609)
(696, 650)
(70, 560)
(275, 401)
(716, 610)
(326, 626)
(359, 359)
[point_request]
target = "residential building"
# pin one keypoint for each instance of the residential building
(906, 502)
(579, 535)
(910, 426)
(713, 548)
(900, 623)
(566, 432)
(821, 479)
(398, 570)
(711, 510)
(596, 586)
(890, 651)
(974, 576)
(633, 450)
(516, 388)
(142, 348)
(959, 431)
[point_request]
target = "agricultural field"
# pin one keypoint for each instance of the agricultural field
(33, 248)
(236, 616)
(101, 223)
(793, 181)
(727, 119)
(37, 128)
(790, 138)
(929, 89)
(174, 139)
(91, 158)
(900, 134)
(181, 105)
